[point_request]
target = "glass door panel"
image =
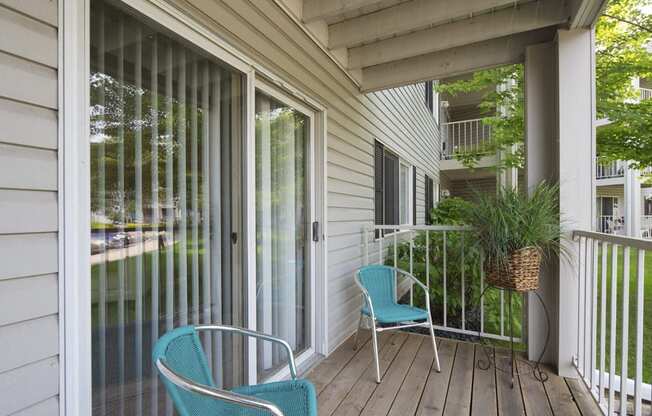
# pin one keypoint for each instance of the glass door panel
(283, 218)
(166, 125)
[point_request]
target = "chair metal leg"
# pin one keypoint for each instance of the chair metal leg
(357, 333)
(434, 344)
(376, 358)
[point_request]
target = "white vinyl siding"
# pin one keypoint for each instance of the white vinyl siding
(398, 118)
(29, 322)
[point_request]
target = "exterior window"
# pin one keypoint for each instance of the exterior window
(404, 194)
(165, 122)
(392, 188)
(430, 187)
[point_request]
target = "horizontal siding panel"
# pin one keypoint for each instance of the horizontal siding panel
(28, 342)
(342, 173)
(350, 214)
(28, 298)
(27, 81)
(42, 379)
(340, 228)
(342, 159)
(28, 38)
(28, 168)
(44, 10)
(349, 201)
(18, 252)
(48, 407)
(27, 211)
(349, 188)
(27, 125)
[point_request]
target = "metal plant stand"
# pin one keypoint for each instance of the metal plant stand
(485, 364)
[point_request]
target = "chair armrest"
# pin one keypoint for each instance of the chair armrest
(413, 278)
(258, 335)
(212, 392)
(365, 294)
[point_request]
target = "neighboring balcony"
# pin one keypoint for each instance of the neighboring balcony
(465, 136)
(646, 93)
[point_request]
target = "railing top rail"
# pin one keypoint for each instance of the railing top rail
(638, 243)
(464, 121)
(419, 227)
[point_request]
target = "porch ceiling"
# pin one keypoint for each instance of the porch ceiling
(387, 43)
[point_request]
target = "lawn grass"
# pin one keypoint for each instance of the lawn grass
(647, 317)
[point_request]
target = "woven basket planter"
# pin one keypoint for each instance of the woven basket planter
(521, 273)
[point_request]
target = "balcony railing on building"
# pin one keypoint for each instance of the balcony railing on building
(606, 170)
(610, 355)
(646, 93)
(466, 136)
(442, 257)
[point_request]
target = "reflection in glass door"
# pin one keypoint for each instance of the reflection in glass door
(283, 218)
(166, 138)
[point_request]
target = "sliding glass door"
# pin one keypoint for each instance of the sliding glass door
(284, 250)
(166, 201)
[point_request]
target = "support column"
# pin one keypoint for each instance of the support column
(632, 208)
(560, 148)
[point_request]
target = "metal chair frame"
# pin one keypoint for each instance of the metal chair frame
(225, 395)
(375, 328)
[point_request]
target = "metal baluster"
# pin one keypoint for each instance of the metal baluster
(612, 327)
(624, 361)
(603, 321)
(640, 286)
(445, 279)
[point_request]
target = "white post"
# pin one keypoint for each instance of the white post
(560, 109)
(632, 211)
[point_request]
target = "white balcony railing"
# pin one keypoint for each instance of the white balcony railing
(441, 257)
(611, 224)
(609, 352)
(646, 93)
(467, 136)
(605, 170)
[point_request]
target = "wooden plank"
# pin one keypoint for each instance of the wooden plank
(28, 255)
(42, 378)
(434, 393)
(458, 400)
(510, 400)
(559, 395)
(330, 397)
(27, 125)
(407, 399)
(534, 394)
(27, 81)
(28, 211)
(28, 298)
(44, 10)
(356, 400)
(29, 341)
(484, 398)
(332, 365)
(28, 168)
(385, 393)
(28, 38)
(582, 398)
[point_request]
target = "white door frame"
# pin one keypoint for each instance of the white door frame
(275, 92)
(74, 184)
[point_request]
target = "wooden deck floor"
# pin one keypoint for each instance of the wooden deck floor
(345, 383)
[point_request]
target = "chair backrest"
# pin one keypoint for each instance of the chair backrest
(379, 282)
(181, 350)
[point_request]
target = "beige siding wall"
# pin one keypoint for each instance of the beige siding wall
(29, 324)
(398, 118)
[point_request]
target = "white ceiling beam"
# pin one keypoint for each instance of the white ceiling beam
(330, 9)
(505, 22)
(404, 18)
(452, 62)
(584, 13)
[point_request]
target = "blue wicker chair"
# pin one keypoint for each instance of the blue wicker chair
(378, 285)
(182, 364)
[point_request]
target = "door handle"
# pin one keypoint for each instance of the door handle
(315, 231)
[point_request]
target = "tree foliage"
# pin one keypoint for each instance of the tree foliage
(623, 34)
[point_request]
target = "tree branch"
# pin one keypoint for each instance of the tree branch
(620, 19)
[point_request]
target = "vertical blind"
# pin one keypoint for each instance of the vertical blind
(163, 119)
(282, 239)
